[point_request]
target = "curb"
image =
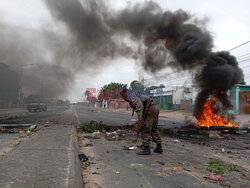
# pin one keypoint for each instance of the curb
(75, 171)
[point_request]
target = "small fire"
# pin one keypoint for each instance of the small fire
(210, 118)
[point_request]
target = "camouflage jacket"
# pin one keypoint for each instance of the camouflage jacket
(137, 101)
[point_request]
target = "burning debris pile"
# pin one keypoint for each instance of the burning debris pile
(210, 118)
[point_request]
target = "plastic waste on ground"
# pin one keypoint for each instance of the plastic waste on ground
(214, 177)
(136, 165)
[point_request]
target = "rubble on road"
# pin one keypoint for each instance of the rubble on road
(136, 165)
(82, 157)
(214, 177)
(17, 128)
(115, 135)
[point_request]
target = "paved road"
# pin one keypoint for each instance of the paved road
(110, 157)
(46, 158)
(22, 116)
(86, 114)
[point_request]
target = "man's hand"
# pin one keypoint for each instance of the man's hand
(138, 125)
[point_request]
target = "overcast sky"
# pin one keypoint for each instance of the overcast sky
(228, 22)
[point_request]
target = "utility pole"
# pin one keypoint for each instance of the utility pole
(21, 83)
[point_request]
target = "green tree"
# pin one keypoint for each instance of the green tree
(111, 90)
(136, 85)
(243, 82)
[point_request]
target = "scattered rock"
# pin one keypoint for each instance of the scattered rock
(214, 134)
(83, 157)
(187, 169)
(161, 163)
(88, 144)
(98, 173)
(175, 169)
(96, 135)
(136, 165)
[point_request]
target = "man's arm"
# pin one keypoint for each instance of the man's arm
(138, 108)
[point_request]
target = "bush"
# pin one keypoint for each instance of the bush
(218, 167)
(90, 128)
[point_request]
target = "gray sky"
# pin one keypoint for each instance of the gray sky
(228, 23)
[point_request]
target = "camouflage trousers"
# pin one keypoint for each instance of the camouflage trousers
(150, 129)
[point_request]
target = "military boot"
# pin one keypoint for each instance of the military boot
(158, 149)
(145, 151)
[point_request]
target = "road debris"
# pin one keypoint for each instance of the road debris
(136, 165)
(88, 144)
(96, 135)
(218, 167)
(132, 148)
(92, 127)
(83, 157)
(17, 128)
(176, 140)
(115, 135)
(129, 147)
(29, 131)
(214, 134)
(214, 177)
(186, 169)
(176, 169)
(161, 163)
(98, 173)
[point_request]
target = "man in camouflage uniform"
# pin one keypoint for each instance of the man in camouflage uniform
(148, 114)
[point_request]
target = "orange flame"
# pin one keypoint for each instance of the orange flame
(210, 118)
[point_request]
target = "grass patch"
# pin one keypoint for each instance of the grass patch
(218, 167)
(87, 128)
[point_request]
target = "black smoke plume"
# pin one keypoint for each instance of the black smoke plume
(175, 39)
(41, 75)
(95, 34)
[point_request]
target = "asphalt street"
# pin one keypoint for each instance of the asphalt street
(48, 157)
(184, 162)
(111, 158)
(86, 114)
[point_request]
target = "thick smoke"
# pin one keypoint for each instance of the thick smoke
(95, 34)
(175, 39)
(21, 46)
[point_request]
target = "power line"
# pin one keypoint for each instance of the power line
(239, 46)
(243, 55)
(244, 60)
(245, 67)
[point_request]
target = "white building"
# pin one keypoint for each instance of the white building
(175, 97)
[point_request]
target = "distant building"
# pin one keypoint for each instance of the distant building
(119, 103)
(240, 98)
(175, 98)
(183, 98)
